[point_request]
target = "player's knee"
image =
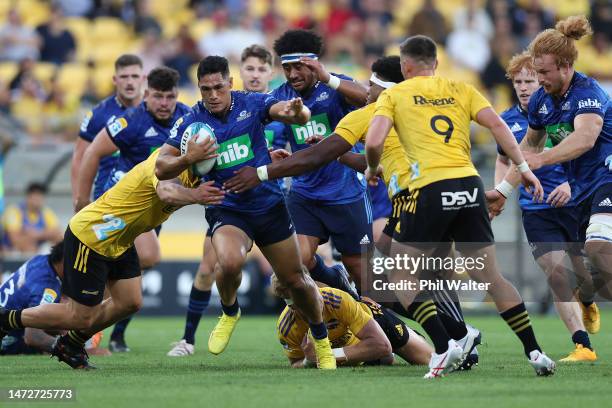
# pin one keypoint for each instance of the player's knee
(231, 264)
(148, 259)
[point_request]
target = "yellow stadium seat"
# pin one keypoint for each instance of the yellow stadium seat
(8, 70)
(258, 8)
(105, 54)
(189, 96)
(201, 27)
(109, 30)
(81, 29)
(164, 8)
(43, 71)
(234, 73)
(33, 12)
(72, 77)
(103, 77)
(290, 10)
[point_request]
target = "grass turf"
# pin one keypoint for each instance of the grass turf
(253, 372)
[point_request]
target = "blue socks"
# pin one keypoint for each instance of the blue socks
(231, 310)
(319, 331)
(198, 302)
(333, 276)
(119, 329)
(581, 337)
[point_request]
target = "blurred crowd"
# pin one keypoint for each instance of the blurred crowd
(56, 56)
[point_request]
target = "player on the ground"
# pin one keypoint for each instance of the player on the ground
(551, 226)
(256, 71)
(360, 331)
(386, 72)
(574, 112)
(257, 216)
(134, 135)
(431, 116)
(329, 202)
(99, 252)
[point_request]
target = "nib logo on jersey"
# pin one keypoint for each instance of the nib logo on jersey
(318, 125)
(234, 152)
(557, 132)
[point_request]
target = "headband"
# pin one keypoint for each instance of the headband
(295, 57)
(380, 82)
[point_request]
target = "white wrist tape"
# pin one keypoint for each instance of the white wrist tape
(262, 172)
(334, 82)
(504, 188)
(523, 167)
(339, 354)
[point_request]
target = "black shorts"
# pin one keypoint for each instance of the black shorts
(445, 211)
(264, 229)
(393, 327)
(396, 208)
(86, 271)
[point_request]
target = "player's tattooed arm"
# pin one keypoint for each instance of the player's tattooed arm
(375, 141)
(170, 163)
(38, 339)
(174, 193)
(292, 111)
(353, 92)
(102, 146)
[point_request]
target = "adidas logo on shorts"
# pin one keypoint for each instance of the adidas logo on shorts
(364, 240)
(606, 203)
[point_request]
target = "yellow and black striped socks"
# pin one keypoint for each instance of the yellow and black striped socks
(518, 320)
(426, 314)
(11, 320)
(76, 338)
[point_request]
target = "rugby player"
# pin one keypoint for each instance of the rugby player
(129, 80)
(551, 226)
(360, 331)
(573, 111)
(386, 72)
(431, 116)
(329, 202)
(134, 135)
(258, 216)
(99, 252)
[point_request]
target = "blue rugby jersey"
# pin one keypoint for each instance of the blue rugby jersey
(241, 140)
(137, 134)
(556, 115)
(333, 183)
(101, 115)
(34, 283)
(549, 176)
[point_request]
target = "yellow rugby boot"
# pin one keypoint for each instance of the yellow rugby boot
(581, 353)
(221, 334)
(591, 317)
(325, 357)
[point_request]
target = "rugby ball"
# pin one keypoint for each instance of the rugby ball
(201, 132)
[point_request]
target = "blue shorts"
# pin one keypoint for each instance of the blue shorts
(13, 345)
(264, 229)
(348, 225)
(552, 229)
(381, 205)
(600, 202)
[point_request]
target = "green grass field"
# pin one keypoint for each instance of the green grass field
(253, 372)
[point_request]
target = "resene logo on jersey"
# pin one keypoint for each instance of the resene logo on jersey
(557, 132)
(318, 125)
(234, 152)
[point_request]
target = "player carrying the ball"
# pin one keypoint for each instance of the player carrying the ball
(259, 215)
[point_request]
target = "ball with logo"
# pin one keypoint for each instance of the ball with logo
(201, 132)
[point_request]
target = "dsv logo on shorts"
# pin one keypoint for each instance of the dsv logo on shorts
(452, 200)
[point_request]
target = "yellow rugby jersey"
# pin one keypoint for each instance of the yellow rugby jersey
(432, 118)
(342, 314)
(396, 169)
(110, 224)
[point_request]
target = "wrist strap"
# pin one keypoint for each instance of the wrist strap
(334, 82)
(262, 172)
(523, 167)
(504, 188)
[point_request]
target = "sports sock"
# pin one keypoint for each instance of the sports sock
(319, 330)
(231, 310)
(582, 337)
(455, 329)
(11, 320)
(447, 302)
(76, 338)
(198, 301)
(329, 275)
(119, 329)
(518, 320)
(425, 314)
(587, 304)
